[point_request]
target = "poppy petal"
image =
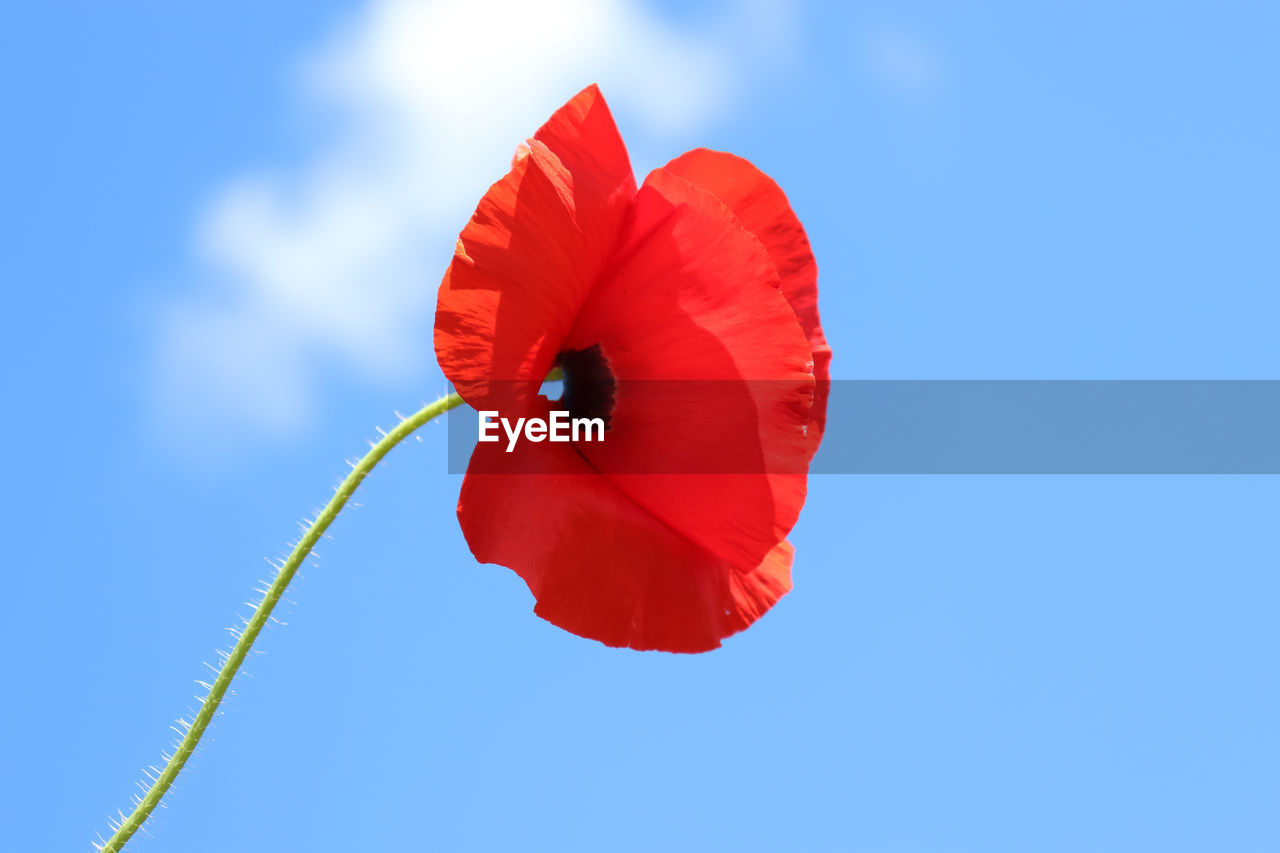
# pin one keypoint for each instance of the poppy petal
(530, 254)
(584, 136)
(598, 564)
(713, 375)
(762, 207)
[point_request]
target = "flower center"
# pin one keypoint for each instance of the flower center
(588, 383)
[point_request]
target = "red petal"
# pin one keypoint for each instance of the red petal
(598, 564)
(763, 209)
(530, 254)
(713, 374)
(583, 135)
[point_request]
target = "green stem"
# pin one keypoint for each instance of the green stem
(129, 825)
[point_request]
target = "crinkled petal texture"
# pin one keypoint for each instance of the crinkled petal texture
(713, 374)
(598, 563)
(527, 260)
(698, 296)
(762, 207)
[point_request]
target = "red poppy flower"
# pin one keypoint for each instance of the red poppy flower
(642, 297)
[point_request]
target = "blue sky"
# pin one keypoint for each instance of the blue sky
(222, 228)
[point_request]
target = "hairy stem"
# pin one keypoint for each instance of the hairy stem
(195, 729)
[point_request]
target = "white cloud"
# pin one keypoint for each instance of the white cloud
(334, 263)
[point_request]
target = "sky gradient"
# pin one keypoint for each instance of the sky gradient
(223, 226)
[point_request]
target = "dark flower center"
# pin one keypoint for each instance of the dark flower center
(588, 383)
